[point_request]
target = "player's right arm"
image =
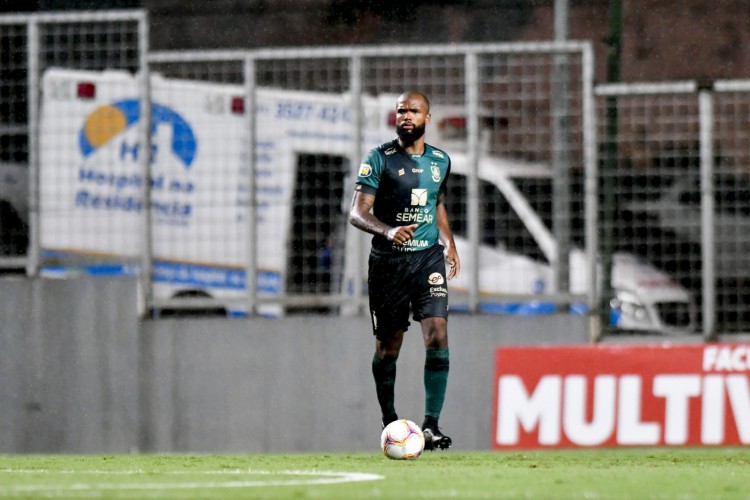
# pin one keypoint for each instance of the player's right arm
(361, 217)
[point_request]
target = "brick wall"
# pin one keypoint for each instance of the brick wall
(662, 39)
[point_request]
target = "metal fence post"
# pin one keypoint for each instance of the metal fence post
(144, 91)
(355, 239)
(251, 271)
(472, 181)
(708, 249)
(34, 82)
(591, 194)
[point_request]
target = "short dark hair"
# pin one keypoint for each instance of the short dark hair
(410, 93)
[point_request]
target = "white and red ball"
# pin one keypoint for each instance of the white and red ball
(402, 440)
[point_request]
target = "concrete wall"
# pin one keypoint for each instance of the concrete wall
(303, 384)
(81, 374)
(68, 366)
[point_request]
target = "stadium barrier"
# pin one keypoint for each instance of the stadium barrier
(550, 174)
(81, 374)
(128, 168)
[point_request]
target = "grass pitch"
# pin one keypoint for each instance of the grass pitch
(684, 474)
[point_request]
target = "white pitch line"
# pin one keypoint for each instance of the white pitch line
(322, 477)
(176, 472)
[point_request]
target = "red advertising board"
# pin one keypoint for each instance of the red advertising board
(608, 396)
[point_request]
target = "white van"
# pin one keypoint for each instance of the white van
(645, 298)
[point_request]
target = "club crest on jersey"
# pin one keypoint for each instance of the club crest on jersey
(365, 170)
(435, 172)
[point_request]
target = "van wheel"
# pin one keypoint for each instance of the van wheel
(204, 312)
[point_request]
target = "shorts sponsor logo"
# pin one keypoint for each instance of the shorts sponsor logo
(438, 291)
(419, 197)
(436, 279)
(365, 170)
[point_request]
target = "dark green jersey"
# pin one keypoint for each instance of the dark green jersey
(406, 188)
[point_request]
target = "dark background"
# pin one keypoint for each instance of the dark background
(660, 39)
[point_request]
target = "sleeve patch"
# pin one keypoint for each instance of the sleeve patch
(365, 170)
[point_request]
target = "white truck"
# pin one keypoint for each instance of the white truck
(92, 185)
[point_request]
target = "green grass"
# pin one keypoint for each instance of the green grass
(707, 473)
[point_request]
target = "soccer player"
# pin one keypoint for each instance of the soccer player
(399, 198)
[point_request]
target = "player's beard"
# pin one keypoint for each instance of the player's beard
(409, 137)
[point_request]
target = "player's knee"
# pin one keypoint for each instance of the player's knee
(437, 341)
(389, 346)
(435, 333)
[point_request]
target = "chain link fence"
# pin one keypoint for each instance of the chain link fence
(31, 45)
(495, 110)
(228, 174)
(674, 175)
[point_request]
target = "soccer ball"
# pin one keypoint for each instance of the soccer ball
(402, 440)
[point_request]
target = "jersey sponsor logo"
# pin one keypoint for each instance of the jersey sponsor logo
(436, 279)
(365, 170)
(411, 246)
(417, 216)
(419, 197)
(435, 172)
(438, 154)
(417, 170)
(390, 151)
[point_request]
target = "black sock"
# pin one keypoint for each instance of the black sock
(384, 373)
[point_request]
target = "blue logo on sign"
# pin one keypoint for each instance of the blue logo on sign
(107, 122)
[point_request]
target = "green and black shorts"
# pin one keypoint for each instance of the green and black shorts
(397, 282)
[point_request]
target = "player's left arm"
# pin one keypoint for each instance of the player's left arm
(446, 238)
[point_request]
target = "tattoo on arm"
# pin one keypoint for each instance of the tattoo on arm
(361, 217)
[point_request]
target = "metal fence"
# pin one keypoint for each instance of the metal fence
(675, 189)
(32, 43)
(511, 116)
(233, 189)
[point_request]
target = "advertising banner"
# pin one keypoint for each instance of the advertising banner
(609, 396)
